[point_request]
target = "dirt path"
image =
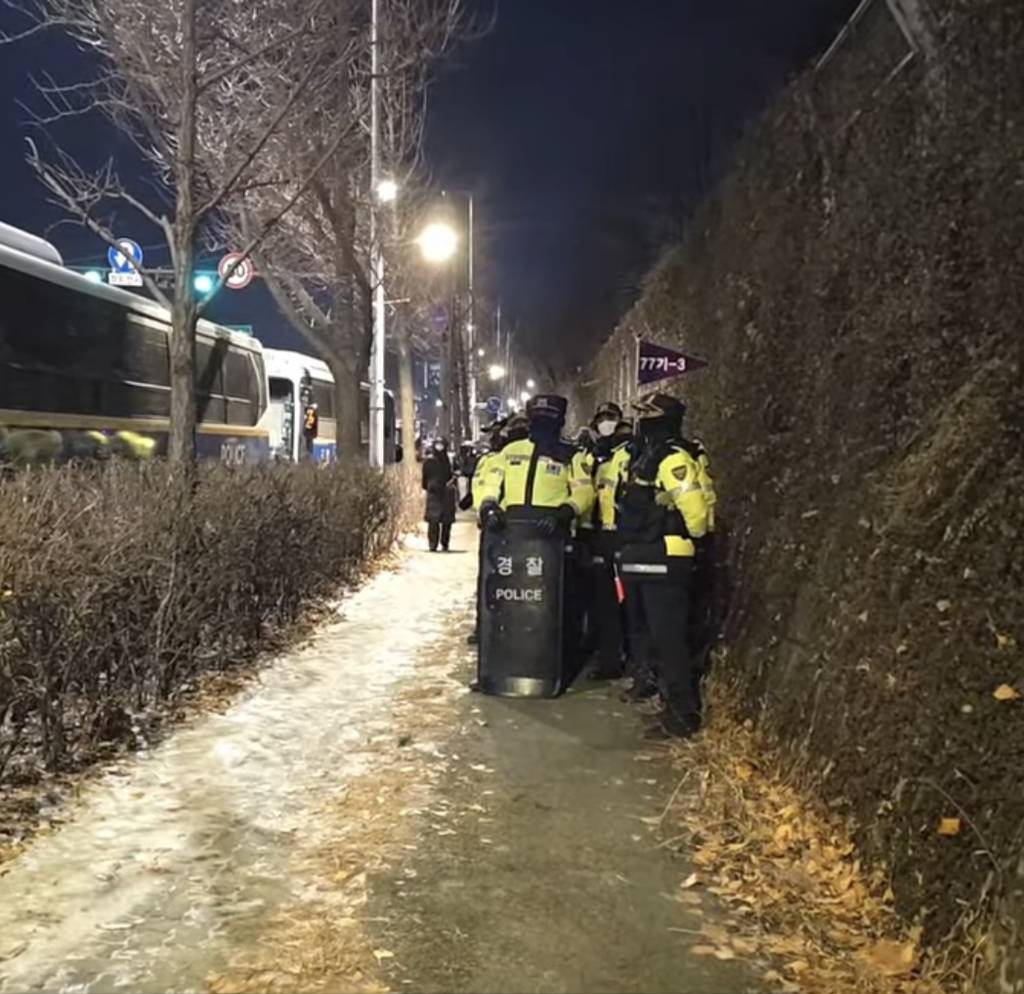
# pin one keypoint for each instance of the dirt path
(357, 821)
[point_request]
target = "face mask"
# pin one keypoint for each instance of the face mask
(606, 428)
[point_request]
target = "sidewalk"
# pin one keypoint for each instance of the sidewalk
(358, 821)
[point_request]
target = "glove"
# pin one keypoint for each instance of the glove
(466, 503)
(492, 516)
(560, 520)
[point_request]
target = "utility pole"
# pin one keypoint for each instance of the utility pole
(471, 363)
(376, 376)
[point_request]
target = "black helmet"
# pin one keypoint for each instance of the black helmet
(660, 405)
(517, 427)
(623, 430)
(547, 405)
(609, 410)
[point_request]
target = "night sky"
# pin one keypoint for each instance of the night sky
(587, 128)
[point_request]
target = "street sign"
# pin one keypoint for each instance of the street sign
(655, 362)
(243, 271)
(493, 406)
(125, 262)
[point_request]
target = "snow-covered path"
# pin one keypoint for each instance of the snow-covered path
(178, 857)
(357, 821)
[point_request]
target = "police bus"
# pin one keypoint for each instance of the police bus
(302, 384)
(89, 364)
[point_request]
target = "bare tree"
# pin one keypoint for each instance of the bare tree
(182, 80)
(316, 262)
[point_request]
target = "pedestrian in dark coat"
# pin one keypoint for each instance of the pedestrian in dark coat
(441, 487)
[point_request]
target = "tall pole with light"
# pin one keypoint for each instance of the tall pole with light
(378, 346)
(438, 243)
(471, 332)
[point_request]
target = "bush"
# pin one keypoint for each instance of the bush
(119, 586)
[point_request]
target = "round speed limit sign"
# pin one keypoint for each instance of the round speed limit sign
(241, 271)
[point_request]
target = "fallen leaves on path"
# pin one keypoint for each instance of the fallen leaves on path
(799, 900)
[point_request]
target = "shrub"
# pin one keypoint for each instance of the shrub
(119, 586)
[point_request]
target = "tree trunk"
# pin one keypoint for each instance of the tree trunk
(181, 446)
(407, 398)
(348, 405)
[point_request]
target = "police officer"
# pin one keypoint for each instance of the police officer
(703, 627)
(603, 631)
(662, 510)
(540, 473)
(543, 478)
(497, 437)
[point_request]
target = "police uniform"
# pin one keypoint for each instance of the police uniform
(604, 624)
(540, 474)
(661, 511)
(703, 628)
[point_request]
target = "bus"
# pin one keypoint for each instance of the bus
(86, 366)
(295, 382)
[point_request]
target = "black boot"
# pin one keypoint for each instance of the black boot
(642, 690)
(673, 726)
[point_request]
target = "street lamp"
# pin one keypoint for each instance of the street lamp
(438, 242)
(531, 385)
(525, 396)
(203, 283)
(387, 191)
(481, 352)
(496, 372)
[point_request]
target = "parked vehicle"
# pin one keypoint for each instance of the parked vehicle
(298, 382)
(90, 363)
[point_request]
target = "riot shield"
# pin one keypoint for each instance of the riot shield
(522, 649)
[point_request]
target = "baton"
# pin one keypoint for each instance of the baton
(620, 588)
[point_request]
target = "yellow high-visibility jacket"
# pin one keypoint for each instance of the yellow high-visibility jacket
(677, 486)
(609, 475)
(483, 466)
(707, 482)
(523, 476)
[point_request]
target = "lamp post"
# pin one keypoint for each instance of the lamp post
(470, 350)
(376, 371)
(438, 242)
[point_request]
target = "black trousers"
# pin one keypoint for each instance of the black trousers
(439, 532)
(604, 615)
(657, 609)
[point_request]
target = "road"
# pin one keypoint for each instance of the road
(357, 821)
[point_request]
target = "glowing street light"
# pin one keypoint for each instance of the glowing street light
(438, 242)
(496, 372)
(438, 402)
(525, 396)
(531, 385)
(481, 352)
(387, 191)
(203, 283)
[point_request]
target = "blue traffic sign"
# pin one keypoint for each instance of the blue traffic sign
(122, 257)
